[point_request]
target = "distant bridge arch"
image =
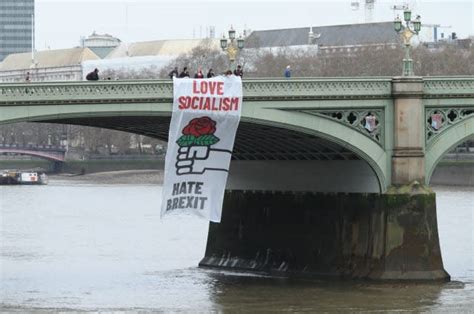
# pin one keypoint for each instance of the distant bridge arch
(51, 154)
(362, 146)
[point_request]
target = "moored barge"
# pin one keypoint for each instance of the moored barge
(27, 177)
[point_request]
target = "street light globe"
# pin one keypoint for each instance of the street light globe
(407, 15)
(231, 33)
(223, 42)
(240, 42)
(397, 24)
(417, 24)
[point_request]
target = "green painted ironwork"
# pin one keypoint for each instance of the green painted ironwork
(161, 91)
(331, 108)
(448, 87)
(452, 99)
(448, 117)
(358, 120)
(450, 138)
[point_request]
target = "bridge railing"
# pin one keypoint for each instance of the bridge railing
(434, 87)
(450, 100)
(162, 90)
(75, 92)
(262, 88)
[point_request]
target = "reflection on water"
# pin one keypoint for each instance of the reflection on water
(456, 228)
(255, 293)
(91, 246)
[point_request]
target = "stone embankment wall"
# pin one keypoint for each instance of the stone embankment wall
(26, 164)
(454, 173)
(84, 166)
(447, 172)
(93, 166)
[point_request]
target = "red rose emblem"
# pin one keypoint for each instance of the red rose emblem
(199, 132)
(200, 126)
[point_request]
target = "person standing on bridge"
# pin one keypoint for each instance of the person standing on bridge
(93, 76)
(210, 73)
(288, 72)
(199, 74)
(174, 73)
(239, 71)
(185, 73)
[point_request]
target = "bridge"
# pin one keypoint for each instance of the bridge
(329, 176)
(48, 152)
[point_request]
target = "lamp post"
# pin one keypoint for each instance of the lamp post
(231, 46)
(406, 32)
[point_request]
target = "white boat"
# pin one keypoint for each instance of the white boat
(23, 177)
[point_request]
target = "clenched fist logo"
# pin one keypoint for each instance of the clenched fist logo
(195, 148)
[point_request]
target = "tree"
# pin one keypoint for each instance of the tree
(152, 72)
(204, 56)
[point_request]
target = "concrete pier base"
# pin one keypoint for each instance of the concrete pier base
(364, 236)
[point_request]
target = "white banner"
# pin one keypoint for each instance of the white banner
(206, 114)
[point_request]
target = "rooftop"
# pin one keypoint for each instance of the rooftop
(159, 47)
(334, 35)
(47, 58)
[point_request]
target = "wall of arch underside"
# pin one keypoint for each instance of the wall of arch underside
(268, 157)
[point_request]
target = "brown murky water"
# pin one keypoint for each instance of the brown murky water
(92, 246)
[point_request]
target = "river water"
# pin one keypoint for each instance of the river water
(90, 246)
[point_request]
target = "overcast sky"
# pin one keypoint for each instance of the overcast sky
(61, 23)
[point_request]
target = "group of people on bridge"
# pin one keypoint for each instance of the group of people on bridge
(94, 75)
(200, 75)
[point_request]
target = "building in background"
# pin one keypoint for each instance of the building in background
(328, 40)
(73, 64)
(16, 26)
(147, 54)
(50, 65)
(101, 45)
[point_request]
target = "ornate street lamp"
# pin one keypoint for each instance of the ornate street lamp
(406, 32)
(231, 46)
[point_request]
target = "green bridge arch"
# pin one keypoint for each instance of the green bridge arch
(347, 137)
(314, 125)
(451, 138)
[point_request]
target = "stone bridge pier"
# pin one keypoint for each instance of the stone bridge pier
(353, 235)
(333, 218)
